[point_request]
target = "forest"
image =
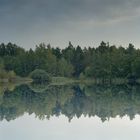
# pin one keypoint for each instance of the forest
(104, 62)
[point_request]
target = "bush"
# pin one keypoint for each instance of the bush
(40, 76)
(11, 75)
(82, 76)
(3, 74)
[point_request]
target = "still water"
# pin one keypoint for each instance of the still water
(74, 112)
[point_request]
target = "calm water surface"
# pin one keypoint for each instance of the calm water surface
(74, 112)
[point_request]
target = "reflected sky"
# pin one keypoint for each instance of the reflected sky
(58, 128)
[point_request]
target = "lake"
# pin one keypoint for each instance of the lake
(70, 112)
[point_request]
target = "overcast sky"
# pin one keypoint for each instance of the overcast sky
(83, 22)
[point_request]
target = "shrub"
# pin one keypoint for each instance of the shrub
(40, 76)
(11, 75)
(82, 76)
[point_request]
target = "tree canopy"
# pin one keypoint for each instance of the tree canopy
(105, 61)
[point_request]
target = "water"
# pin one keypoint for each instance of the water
(72, 112)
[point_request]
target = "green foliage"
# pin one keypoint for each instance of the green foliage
(7, 76)
(40, 76)
(11, 75)
(82, 76)
(105, 62)
(64, 68)
(136, 67)
(3, 74)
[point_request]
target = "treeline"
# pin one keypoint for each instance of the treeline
(104, 62)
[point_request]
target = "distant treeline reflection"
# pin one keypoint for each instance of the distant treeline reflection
(104, 101)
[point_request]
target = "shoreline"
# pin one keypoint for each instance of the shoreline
(67, 80)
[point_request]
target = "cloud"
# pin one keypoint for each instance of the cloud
(67, 19)
(69, 9)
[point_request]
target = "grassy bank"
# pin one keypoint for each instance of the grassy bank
(15, 80)
(65, 80)
(11, 77)
(10, 84)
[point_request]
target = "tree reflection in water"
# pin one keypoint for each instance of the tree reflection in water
(104, 101)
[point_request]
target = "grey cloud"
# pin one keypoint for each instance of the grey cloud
(79, 9)
(59, 19)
